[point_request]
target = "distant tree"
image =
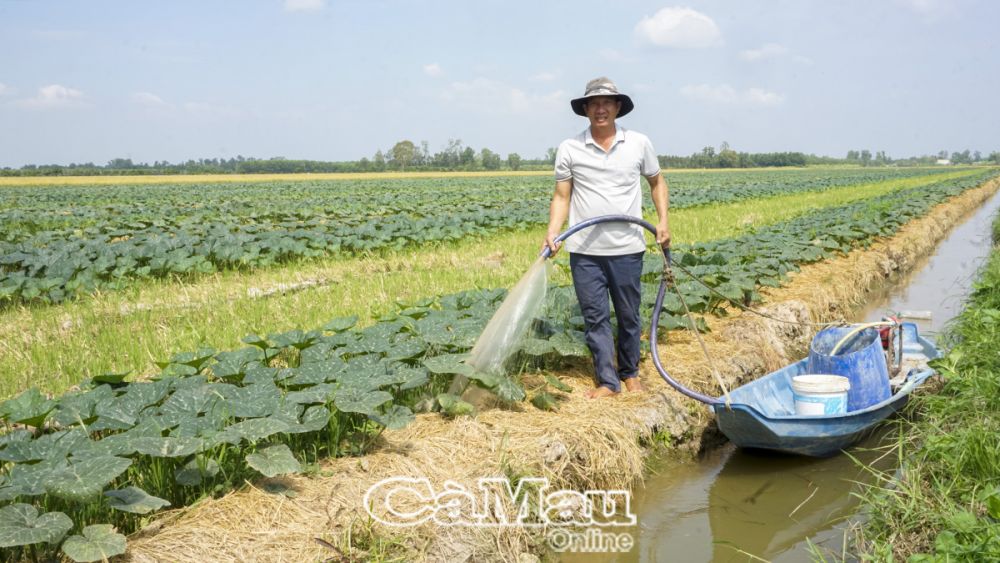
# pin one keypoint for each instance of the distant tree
(705, 159)
(995, 157)
(425, 153)
(514, 161)
(468, 157)
(977, 156)
(379, 160)
(961, 157)
(728, 158)
(364, 164)
(943, 155)
(121, 163)
(853, 156)
(403, 153)
(450, 157)
(881, 158)
(490, 159)
(550, 155)
(866, 157)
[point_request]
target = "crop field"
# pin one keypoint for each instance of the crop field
(322, 370)
(59, 243)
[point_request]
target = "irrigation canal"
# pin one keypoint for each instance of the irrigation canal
(733, 505)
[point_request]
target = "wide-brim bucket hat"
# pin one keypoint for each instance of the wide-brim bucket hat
(602, 86)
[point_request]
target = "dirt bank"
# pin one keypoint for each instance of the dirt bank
(585, 445)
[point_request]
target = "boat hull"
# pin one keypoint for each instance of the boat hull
(815, 438)
(761, 413)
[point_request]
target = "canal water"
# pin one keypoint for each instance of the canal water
(735, 505)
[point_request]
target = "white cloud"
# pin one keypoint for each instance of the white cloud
(3, 89)
(433, 69)
(802, 60)
(678, 27)
(766, 51)
(491, 96)
(148, 99)
(304, 5)
(761, 97)
(54, 96)
(727, 95)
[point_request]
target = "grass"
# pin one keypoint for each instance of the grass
(944, 505)
(53, 347)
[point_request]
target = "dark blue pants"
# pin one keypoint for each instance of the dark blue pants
(595, 278)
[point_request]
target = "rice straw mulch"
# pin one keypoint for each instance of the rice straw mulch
(586, 444)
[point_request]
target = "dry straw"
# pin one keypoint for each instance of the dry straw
(586, 444)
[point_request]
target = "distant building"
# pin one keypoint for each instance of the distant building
(943, 161)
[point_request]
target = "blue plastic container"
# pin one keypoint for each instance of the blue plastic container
(860, 360)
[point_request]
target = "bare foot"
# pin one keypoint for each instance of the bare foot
(600, 392)
(634, 385)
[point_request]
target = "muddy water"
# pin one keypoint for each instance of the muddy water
(736, 505)
(940, 284)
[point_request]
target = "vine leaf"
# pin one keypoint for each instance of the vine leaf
(20, 524)
(273, 461)
(134, 500)
(99, 542)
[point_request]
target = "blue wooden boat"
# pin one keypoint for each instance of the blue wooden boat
(761, 414)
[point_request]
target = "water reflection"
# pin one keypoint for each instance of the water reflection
(767, 505)
(737, 505)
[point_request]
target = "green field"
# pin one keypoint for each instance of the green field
(64, 242)
(149, 319)
(395, 280)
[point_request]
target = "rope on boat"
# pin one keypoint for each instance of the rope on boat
(669, 278)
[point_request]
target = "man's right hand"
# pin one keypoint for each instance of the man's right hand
(551, 244)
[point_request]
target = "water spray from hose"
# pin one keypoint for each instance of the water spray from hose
(506, 329)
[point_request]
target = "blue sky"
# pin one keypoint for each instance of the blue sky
(338, 79)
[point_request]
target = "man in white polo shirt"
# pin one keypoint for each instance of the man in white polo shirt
(597, 173)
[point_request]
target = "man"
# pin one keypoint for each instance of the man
(597, 173)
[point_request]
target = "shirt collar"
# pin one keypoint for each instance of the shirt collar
(619, 136)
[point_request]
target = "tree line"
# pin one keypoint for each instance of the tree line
(406, 155)
(865, 158)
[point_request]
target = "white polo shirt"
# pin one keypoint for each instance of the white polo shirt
(606, 183)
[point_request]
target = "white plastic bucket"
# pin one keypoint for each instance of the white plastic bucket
(817, 394)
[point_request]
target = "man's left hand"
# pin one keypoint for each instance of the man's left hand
(663, 235)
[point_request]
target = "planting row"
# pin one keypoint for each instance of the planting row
(112, 451)
(61, 242)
